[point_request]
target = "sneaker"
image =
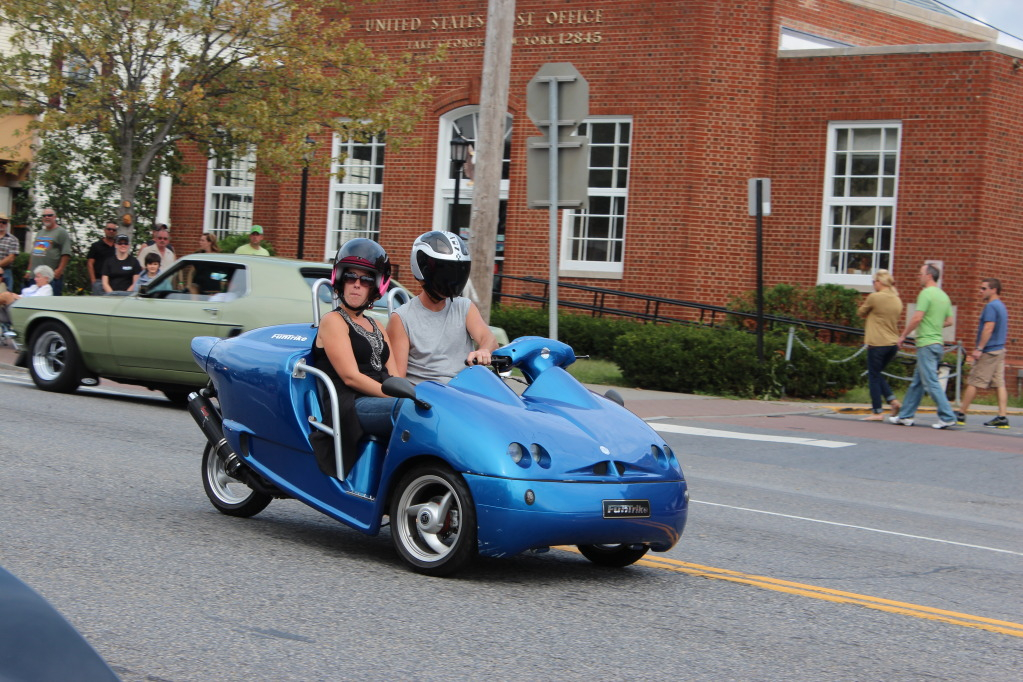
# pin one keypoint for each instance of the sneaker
(943, 425)
(998, 423)
(960, 418)
(900, 421)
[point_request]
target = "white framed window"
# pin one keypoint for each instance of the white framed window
(593, 241)
(860, 194)
(355, 198)
(452, 186)
(229, 195)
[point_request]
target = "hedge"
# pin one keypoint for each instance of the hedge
(694, 358)
(718, 361)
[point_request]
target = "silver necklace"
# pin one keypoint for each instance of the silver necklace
(374, 338)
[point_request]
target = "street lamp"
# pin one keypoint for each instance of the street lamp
(459, 155)
(306, 160)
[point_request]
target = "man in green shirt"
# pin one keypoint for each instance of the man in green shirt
(253, 248)
(933, 313)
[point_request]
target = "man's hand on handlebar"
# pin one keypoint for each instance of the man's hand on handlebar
(499, 363)
(478, 357)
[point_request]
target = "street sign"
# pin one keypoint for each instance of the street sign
(573, 95)
(558, 119)
(573, 173)
(765, 196)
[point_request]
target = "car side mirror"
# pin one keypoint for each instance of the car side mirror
(143, 290)
(400, 387)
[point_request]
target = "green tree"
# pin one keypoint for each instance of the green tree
(132, 79)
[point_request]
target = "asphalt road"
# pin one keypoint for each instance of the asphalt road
(818, 548)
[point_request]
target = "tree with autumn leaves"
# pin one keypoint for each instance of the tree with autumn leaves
(135, 78)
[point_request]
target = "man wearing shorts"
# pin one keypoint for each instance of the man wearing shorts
(989, 356)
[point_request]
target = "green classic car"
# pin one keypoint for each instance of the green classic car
(144, 338)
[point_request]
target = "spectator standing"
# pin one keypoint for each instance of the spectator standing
(882, 310)
(152, 238)
(933, 313)
(9, 249)
(253, 248)
(161, 246)
(208, 243)
(121, 272)
(43, 275)
(149, 273)
(98, 255)
(432, 335)
(989, 356)
(51, 247)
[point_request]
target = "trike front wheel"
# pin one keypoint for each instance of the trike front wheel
(433, 520)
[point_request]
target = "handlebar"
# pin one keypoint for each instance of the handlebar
(499, 363)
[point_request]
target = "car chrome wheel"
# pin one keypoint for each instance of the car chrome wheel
(54, 361)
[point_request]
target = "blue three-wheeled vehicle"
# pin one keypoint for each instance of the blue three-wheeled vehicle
(472, 468)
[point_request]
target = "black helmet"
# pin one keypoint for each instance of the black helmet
(365, 254)
(440, 260)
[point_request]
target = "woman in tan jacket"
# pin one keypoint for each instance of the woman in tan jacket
(882, 310)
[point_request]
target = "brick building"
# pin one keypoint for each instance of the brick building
(890, 129)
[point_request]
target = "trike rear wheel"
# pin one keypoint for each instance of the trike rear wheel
(613, 556)
(229, 495)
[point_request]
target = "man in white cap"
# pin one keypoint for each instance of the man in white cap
(253, 248)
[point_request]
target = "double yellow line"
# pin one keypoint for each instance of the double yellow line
(963, 619)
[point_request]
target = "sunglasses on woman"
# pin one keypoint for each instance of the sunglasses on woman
(367, 280)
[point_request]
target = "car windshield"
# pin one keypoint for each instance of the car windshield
(310, 275)
(200, 281)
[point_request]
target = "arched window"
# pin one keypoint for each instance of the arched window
(447, 213)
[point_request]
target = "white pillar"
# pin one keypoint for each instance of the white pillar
(163, 199)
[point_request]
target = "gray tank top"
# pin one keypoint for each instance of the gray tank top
(438, 341)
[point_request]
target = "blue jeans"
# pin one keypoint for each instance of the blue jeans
(878, 358)
(375, 415)
(9, 279)
(925, 378)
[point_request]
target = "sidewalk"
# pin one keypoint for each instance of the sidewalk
(654, 404)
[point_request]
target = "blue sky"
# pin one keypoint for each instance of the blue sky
(1006, 15)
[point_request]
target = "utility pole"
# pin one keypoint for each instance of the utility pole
(486, 197)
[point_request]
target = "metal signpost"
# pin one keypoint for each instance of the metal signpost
(759, 206)
(557, 100)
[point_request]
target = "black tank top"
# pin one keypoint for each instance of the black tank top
(370, 350)
(371, 354)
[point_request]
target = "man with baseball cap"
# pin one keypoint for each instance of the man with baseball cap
(253, 248)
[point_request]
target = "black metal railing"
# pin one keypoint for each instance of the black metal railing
(656, 309)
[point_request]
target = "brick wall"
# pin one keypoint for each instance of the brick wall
(712, 105)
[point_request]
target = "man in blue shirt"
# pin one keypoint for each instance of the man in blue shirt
(989, 355)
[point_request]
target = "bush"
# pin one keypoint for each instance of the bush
(829, 303)
(692, 359)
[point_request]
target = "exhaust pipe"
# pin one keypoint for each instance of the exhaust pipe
(212, 425)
